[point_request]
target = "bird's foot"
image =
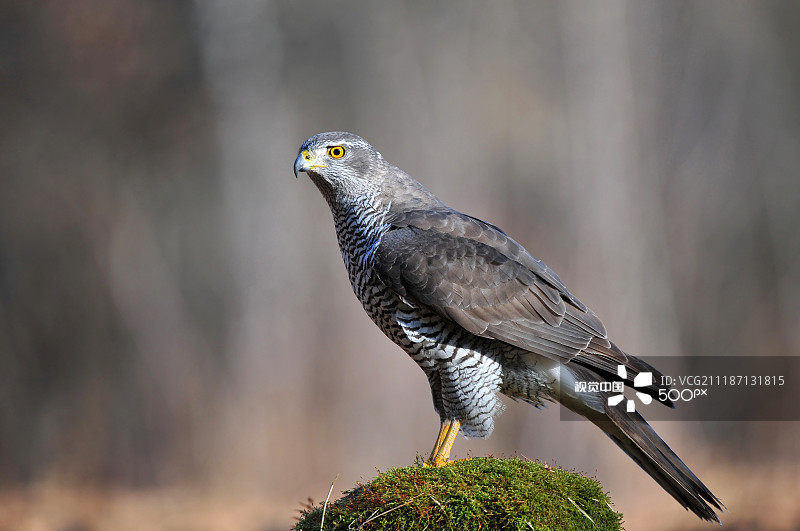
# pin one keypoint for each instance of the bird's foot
(444, 442)
(436, 463)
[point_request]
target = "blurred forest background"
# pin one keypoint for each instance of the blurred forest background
(179, 345)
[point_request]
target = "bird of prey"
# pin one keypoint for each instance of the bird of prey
(477, 312)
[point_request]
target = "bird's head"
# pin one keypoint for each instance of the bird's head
(340, 162)
(345, 168)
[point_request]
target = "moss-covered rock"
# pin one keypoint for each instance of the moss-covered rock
(480, 493)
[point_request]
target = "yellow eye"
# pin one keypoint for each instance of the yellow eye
(336, 152)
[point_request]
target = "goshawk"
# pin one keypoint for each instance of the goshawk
(477, 312)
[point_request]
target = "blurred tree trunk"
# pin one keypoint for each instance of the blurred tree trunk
(113, 283)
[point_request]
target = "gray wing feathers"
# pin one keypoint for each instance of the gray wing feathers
(473, 273)
(477, 276)
(458, 225)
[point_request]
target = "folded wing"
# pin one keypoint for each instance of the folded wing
(474, 274)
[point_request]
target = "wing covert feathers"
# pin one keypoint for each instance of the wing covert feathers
(474, 274)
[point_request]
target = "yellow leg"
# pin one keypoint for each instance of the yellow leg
(444, 442)
(440, 439)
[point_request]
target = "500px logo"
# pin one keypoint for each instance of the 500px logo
(683, 395)
(644, 380)
(705, 388)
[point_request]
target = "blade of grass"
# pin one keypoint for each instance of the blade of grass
(325, 505)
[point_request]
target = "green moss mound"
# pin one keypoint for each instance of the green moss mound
(480, 493)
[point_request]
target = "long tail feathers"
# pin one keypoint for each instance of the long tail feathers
(641, 442)
(632, 433)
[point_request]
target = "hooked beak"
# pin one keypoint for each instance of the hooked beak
(305, 162)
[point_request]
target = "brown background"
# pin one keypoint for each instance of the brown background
(179, 345)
